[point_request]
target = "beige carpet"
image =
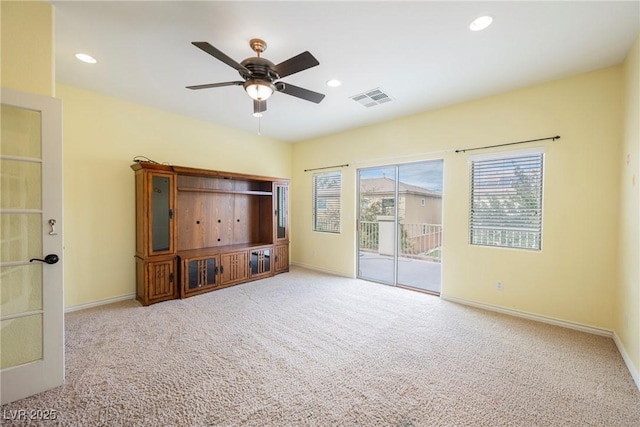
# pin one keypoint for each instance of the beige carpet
(305, 348)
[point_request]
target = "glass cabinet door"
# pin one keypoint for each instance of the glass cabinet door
(282, 200)
(201, 273)
(161, 217)
(260, 262)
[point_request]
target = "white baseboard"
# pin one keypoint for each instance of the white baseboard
(532, 316)
(321, 270)
(92, 304)
(627, 359)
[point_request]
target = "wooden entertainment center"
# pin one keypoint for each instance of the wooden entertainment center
(198, 230)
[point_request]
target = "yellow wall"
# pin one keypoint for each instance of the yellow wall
(574, 277)
(27, 47)
(627, 324)
(101, 137)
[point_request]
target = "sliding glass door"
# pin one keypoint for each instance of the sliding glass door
(376, 224)
(400, 225)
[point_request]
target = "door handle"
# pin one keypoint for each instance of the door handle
(49, 259)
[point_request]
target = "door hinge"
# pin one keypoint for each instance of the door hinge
(170, 213)
(170, 277)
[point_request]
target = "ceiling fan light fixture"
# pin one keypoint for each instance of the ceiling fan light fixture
(260, 90)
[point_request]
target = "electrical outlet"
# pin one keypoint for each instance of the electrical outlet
(499, 285)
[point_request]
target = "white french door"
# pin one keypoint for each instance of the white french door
(31, 268)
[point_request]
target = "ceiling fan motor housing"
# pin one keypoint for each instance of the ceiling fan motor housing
(260, 68)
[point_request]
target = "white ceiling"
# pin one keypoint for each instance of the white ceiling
(420, 53)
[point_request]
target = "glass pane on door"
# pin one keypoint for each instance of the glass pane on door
(21, 132)
(377, 218)
(20, 184)
(21, 237)
(160, 200)
(21, 290)
(21, 340)
(420, 225)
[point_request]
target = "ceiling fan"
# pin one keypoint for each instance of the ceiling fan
(259, 75)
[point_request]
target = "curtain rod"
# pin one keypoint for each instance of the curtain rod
(509, 143)
(326, 167)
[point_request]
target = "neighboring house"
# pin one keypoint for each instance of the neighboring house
(415, 204)
(419, 215)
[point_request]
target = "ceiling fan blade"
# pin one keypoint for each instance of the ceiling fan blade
(221, 56)
(259, 106)
(210, 85)
(298, 92)
(296, 64)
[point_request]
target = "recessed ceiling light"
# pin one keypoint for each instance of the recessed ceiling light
(334, 83)
(86, 58)
(480, 23)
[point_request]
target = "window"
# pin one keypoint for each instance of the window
(326, 201)
(506, 202)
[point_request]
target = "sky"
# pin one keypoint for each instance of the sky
(423, 174)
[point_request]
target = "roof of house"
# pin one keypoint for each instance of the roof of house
(387, 185)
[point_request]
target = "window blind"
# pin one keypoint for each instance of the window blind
(327, 201)
(506, 202)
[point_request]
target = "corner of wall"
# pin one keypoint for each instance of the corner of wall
(627, 307)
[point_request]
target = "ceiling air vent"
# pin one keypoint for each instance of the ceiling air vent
(371, 97)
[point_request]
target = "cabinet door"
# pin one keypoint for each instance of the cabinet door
(260, 263)
(281, 258)
(160, 281)
(281, 202)
(199, 274)
(160, 202)
(233, 267)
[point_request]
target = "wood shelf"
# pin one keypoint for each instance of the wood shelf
(226, 191)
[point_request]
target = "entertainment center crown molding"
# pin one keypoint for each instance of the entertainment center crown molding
(198, 230)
